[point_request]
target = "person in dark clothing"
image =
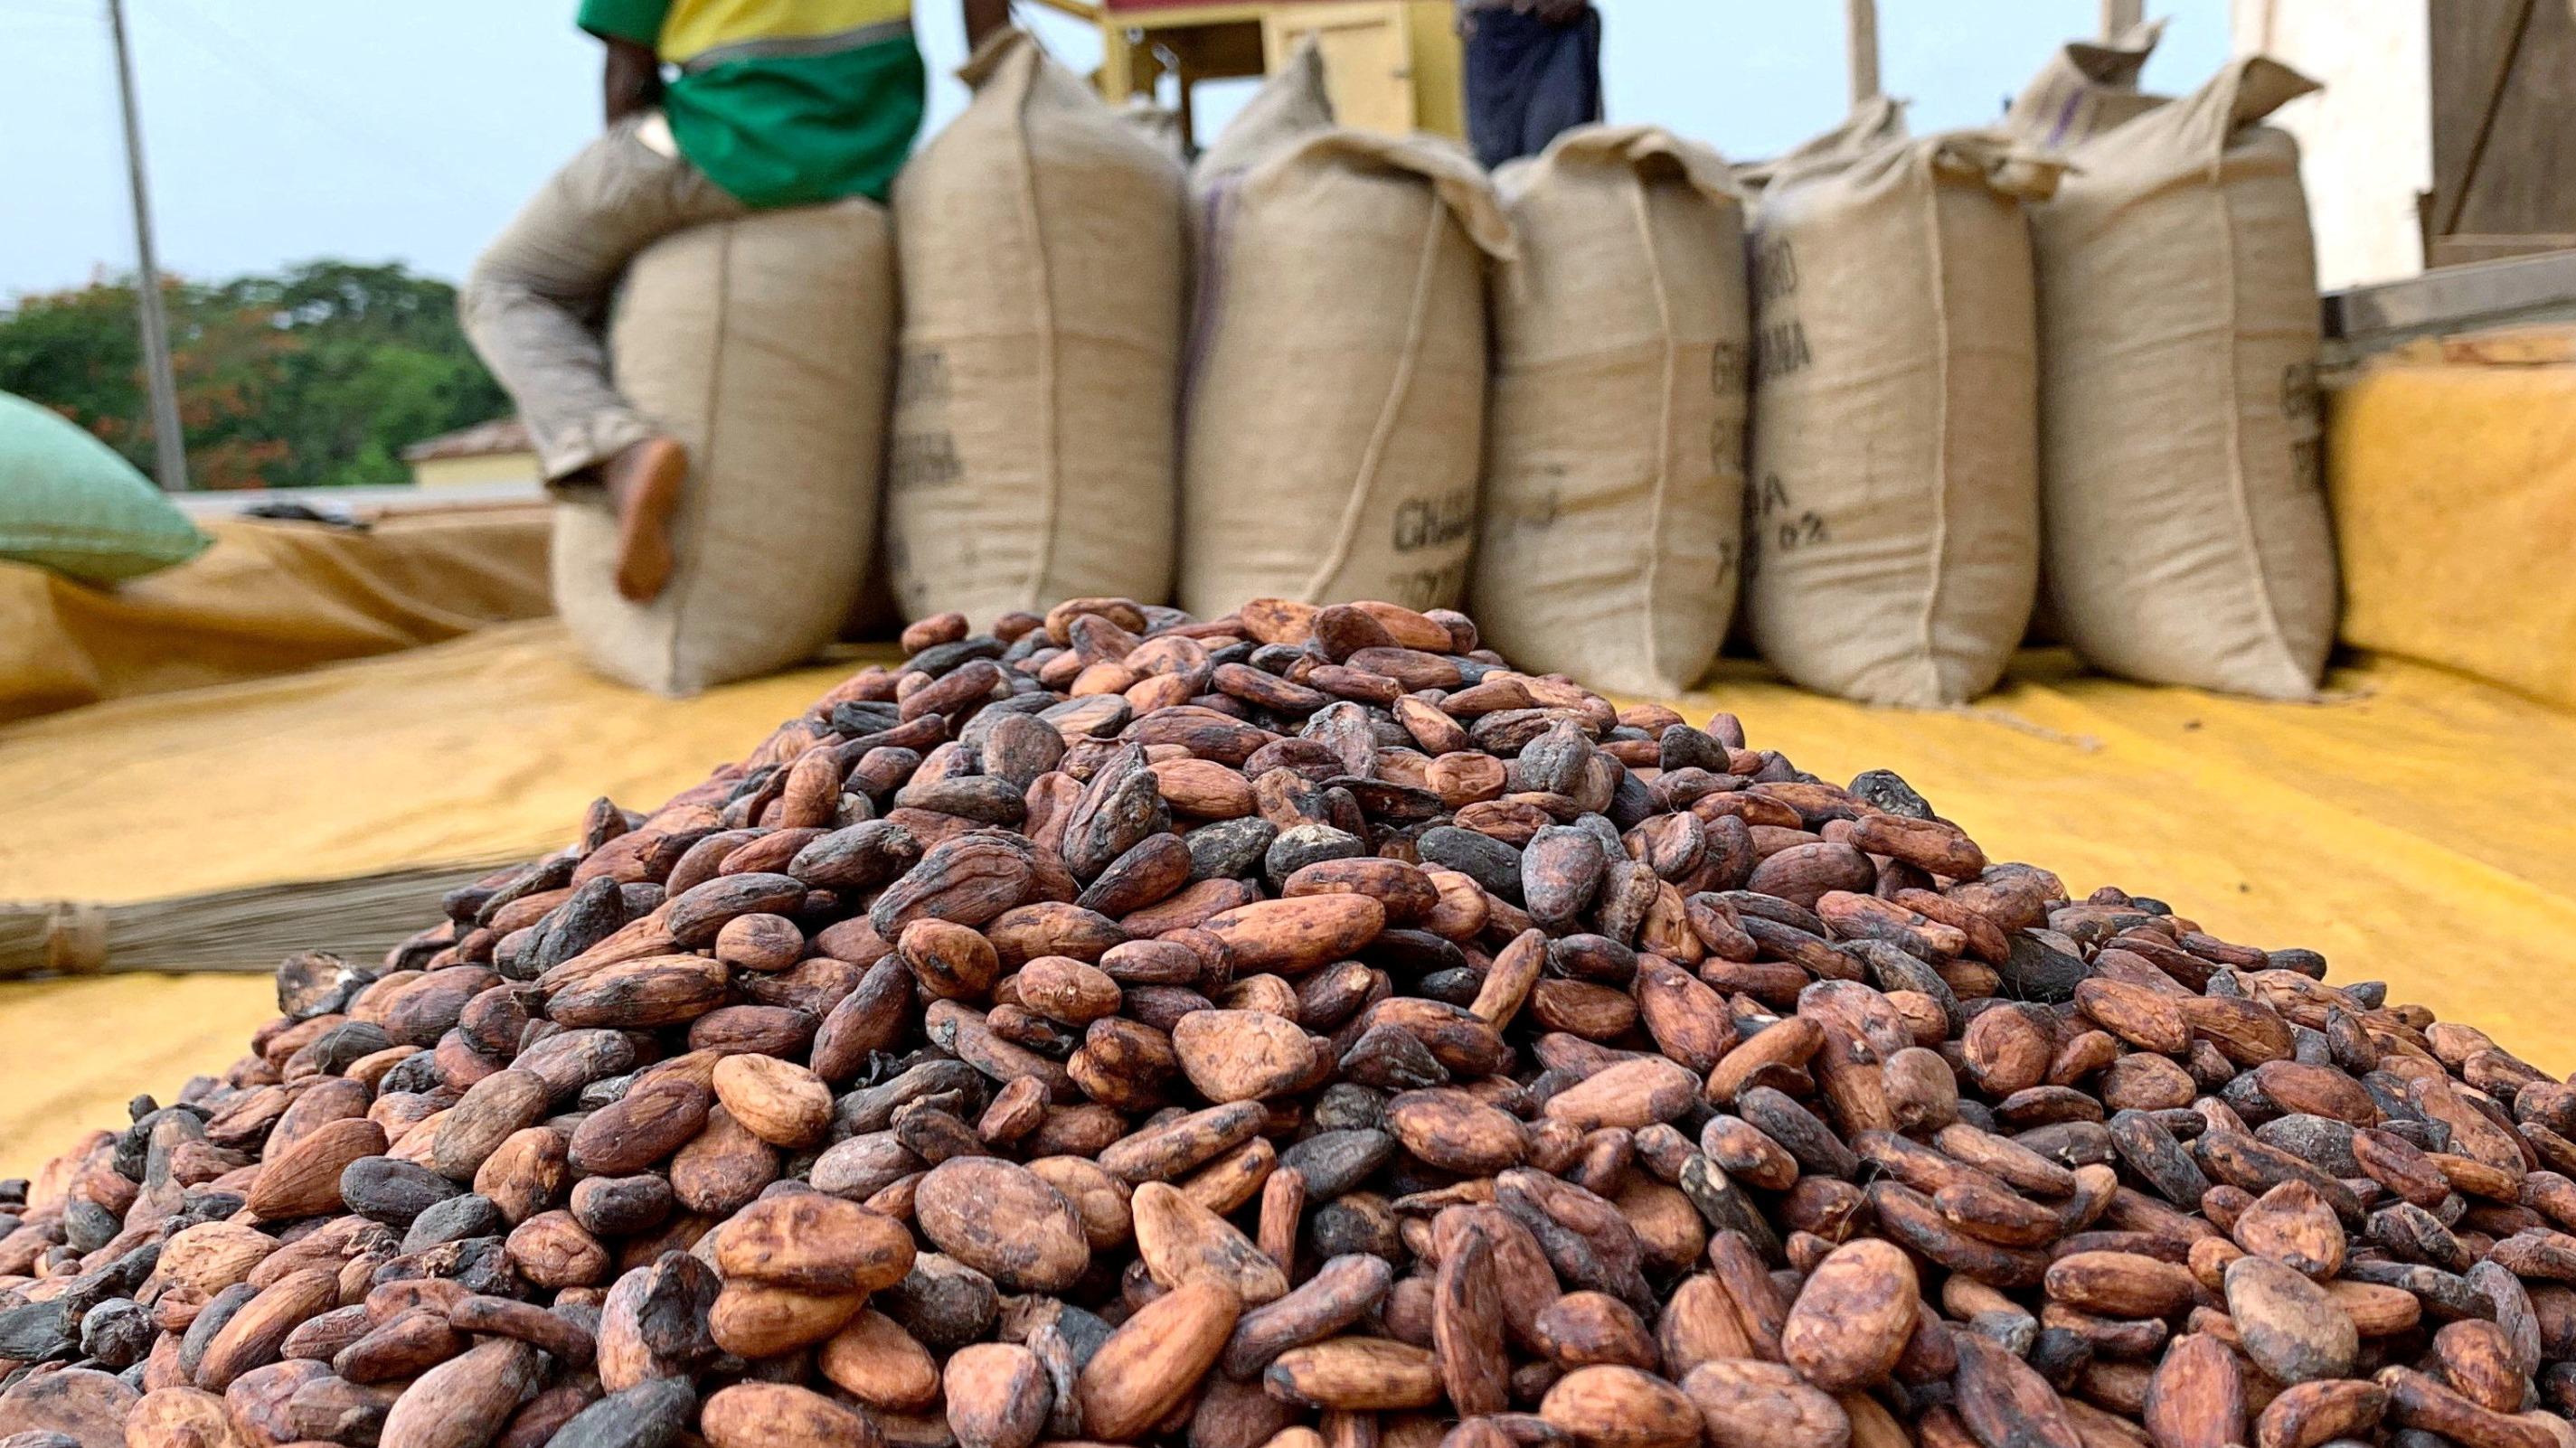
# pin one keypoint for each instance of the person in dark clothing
(1533, 71)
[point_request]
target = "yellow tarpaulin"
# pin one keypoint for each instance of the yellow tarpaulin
(2452, 474)
(267, 598)
(2420, 827)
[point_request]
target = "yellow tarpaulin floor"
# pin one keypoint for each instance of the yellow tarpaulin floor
(2420, 828)
(270, 596)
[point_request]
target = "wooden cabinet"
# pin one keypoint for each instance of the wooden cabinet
(1390, 65)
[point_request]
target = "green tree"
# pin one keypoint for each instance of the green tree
(77, 353)
(316, 376)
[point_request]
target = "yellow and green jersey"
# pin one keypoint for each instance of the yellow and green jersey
(782, 102)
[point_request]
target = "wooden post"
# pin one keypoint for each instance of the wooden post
(1117, 64)
(1860, 45)
(2119, 15)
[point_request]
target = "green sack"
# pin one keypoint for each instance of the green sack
(69, 503)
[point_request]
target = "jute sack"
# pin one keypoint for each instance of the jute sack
(762, 345)
(1039, 240)
(1335, 403)
(1870, 123)
(2187, 533)
(2086, 88)
(1614, 433)
(1892, 533)
(1157, 126)
(1290, 106)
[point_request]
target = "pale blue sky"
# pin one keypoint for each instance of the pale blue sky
(403, 129)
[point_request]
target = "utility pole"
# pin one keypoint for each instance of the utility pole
(169, 445)
(1860, 48)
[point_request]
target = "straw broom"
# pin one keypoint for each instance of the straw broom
(245, 930)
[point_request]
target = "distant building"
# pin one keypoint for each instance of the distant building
(486, 453)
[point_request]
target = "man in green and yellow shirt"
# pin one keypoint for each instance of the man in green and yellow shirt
(769, 103)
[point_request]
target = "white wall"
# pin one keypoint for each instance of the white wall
(2366, 139)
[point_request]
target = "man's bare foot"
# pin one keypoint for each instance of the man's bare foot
(644, 481)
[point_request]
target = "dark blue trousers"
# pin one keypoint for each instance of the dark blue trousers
(1529, 79)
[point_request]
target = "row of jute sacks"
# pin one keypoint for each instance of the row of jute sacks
(2086, 339)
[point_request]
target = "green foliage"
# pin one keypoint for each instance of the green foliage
(318, 376)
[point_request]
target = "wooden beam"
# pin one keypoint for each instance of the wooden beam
(1860, 48)
(2516, 291)
(1078, 9)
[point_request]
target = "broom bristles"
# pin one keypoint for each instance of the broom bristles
(247, 930)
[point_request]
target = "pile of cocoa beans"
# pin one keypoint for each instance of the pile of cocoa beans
(1300, 1030)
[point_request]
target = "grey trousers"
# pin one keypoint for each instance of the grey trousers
(537, 300)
